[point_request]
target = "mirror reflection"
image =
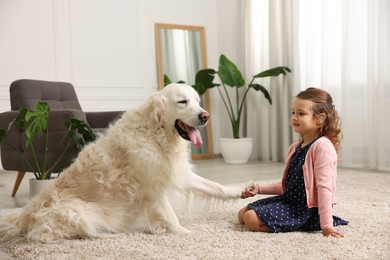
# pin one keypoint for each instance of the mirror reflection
(181, 54)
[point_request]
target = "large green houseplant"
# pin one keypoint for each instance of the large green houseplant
(34, 123)
(230, 76)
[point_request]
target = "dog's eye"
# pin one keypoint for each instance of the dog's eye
(183, 102)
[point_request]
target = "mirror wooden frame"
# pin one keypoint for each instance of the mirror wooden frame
(160, 73)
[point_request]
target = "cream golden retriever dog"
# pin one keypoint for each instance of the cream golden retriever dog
(120, 183)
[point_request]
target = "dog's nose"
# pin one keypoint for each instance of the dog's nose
(204, 117)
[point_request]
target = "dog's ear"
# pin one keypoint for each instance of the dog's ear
(155, 110)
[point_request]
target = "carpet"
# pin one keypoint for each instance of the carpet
(364, 200)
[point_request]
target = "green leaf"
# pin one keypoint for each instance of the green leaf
(73, 136)
(273, 72)
(229, 73)
(41, 124)
(167, 80)
(30, 134)
(204, 80)
(42, 107)
(80, 143)
(29, 115)
(77, 127)
(3, 135)
(36, 121)
(261, 88)
(20, 120)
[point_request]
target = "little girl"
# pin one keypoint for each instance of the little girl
(306, 194)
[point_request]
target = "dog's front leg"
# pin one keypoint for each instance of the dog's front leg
(164, 217)
(213, 189)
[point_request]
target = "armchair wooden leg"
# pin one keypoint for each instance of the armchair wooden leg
(18, 180)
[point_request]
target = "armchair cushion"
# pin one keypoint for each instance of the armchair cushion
(59, 95)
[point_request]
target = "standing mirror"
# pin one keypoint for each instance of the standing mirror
(181, 53)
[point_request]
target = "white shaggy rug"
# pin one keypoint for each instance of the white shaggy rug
(364, 200)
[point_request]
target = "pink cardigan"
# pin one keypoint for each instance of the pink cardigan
(319, 171)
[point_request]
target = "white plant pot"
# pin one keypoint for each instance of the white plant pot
(36, 186)
(236, 151)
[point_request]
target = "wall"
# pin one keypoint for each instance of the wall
(106, 48)
(99, 46)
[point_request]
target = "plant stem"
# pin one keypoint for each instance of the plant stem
(230, 103)
(236, 128)
(227, 108)
(237, 104)
(35, 159)
(24, 159)
(244, 97)
(59, 158)
(46, 174)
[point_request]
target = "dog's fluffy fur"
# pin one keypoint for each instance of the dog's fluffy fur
(120, 183)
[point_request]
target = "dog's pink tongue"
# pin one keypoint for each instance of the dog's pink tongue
(195, 137)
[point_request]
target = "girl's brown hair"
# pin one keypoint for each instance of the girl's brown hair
(323, 103)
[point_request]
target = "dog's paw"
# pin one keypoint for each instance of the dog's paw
(247, 184)
(158, 227)
(237, 189)
(180, 230)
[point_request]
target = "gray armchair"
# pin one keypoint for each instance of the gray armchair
(64, 105)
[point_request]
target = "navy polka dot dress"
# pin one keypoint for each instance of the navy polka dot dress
(289, 211)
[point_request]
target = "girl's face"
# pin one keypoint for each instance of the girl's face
(303, 120)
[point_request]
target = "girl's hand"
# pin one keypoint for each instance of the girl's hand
(332, 232)
(250, 192)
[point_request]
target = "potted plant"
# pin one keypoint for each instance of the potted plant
(230, 76)
(34, 123)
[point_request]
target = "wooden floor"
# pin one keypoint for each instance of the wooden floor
(214, 169)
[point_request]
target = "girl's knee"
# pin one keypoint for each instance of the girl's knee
(251, 220)
(241, 215)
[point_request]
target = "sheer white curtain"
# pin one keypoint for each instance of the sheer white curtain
(339, 45)
(344, 48)
(269, 42)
